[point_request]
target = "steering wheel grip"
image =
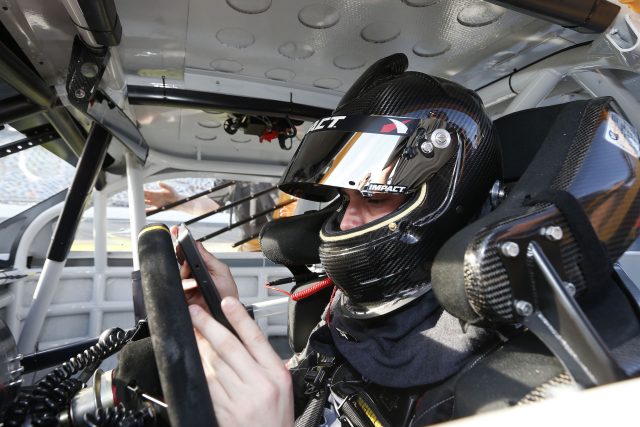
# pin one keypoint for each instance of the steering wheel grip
(179, 366)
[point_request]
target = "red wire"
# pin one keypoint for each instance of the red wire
(324, 283)
(296, 296)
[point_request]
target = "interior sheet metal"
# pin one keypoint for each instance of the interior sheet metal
(317, 51)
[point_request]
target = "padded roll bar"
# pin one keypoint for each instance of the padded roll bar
(585, 16)
(86, 175)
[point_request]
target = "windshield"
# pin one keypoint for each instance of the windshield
(29, 177)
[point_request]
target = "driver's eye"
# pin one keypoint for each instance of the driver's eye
(374, 201)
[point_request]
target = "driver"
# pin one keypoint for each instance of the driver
(412, 158)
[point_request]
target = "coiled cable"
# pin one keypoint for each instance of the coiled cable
(120, 417)
(53, 393)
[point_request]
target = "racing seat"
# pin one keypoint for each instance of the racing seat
(539, 265)
(537, 268)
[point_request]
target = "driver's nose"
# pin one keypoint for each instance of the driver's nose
(354, 214)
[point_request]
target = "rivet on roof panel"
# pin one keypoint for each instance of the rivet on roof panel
(226, 65)
(296, 50)
(240, 139)
(209, 124)
(327, 83)
(479, 14)
(280, 74)
(380, 32)
(205, 137)
(250, 6)
(431, 47)
(349, 62)
(420, 3)
(235, 37)
(319, 16)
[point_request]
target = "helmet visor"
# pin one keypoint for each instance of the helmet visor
(371, 154)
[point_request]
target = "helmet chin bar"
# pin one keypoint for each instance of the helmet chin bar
(369, 311)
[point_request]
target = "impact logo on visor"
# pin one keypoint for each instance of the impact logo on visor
(396, 126)
(366, 124)
(383, 188)
(326, 123)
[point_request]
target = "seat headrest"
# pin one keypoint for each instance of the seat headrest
(585, 149)
(294, 240)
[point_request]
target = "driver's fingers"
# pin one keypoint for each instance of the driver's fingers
(216, 369)
(225, 344)
(194, 296)
(220, 273)
(222, 404)
(252, 337)
(185, 271)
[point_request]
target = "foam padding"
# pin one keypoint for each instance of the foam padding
(294, 241)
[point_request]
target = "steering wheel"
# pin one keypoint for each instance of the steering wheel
(174, 345)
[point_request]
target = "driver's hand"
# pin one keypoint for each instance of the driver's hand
(247, 381)
(219, 271)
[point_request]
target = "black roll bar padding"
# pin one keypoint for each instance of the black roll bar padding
(102, 21)
(48, 358)
(586, 16)
(183, 98)
(87, 171)
(190, 198)
(174, 345)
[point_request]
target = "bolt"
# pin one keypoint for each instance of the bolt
(441, 138)
(553, 233)
(393, 226)
(89, 70)
(79, 93)
(426, 147)
(497, 194)
(571, 288)
(524, 308)
(510, 249)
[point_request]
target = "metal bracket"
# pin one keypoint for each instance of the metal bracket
(86, 68)
(630, 288)
(560, 323)
(105, 112)
(624, 37)
(33, 137)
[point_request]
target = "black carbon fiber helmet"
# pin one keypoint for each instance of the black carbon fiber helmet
(396, 132)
